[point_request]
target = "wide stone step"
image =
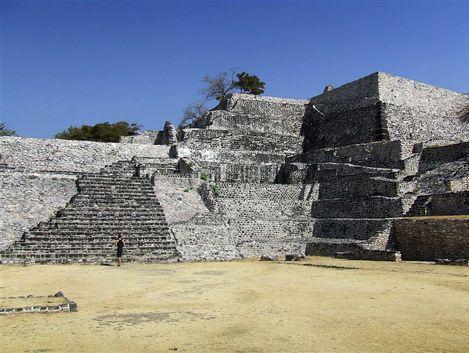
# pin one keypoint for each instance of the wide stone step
(94, 228)
(66, 236)
(114, 212)
(371, 207)
(101, 246)
(330, 246)
(276, 192)
(386, 154)
(163, 226)
(95, 244)
(112, 180)
(86, 257)
(111, 224)
(120, 193)
(263, 209)
(351, 228)
(353, 187)
(325, 172)
(121, 202)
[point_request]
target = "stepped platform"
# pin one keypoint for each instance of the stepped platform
(361, 189)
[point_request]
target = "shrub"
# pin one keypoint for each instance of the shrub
(102, 132)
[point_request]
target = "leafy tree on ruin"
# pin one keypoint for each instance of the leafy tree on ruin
(4, 131)
(192, 112)
(251, 84)
(102, 132)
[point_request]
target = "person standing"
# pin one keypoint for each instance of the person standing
(120, 249)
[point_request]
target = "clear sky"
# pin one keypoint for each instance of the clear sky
(81, 62)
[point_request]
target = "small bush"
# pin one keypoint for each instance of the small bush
(103, 132)
(216, 190)
(205, 177)
(4, 131)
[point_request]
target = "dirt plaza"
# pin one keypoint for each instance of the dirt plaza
(316, 305)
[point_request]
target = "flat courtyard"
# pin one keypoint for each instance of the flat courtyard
(316, 305)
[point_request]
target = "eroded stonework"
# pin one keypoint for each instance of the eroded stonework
(364, 170)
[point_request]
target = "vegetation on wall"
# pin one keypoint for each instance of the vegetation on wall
(251, 84)
(102, 132)
(4, 131)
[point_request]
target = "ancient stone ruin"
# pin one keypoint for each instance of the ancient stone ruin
(375, 169)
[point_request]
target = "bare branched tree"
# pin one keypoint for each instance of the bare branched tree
(192, 112)
(219, 85)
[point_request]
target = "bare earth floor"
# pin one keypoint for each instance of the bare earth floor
(319, 305)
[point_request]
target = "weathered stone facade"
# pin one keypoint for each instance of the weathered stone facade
(347, 173)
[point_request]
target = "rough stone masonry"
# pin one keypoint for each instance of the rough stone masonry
(375, 169)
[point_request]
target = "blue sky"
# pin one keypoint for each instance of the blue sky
(81, 62)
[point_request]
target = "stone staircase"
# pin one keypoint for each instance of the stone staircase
(110, 203)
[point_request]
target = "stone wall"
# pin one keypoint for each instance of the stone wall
(147, 137)
(70, 156)
(348, 127)
(429, 239)
(377, 154)
(239, 172)
(353, 95)
(451, 203)
(457, 185)
(384, 107)
(224, 221)
(410, 124)
(435, 156)
(29, 198)
(179, 197)
(203, 139)
(256, 113)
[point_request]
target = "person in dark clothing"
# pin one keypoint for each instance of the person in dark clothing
(120, 249)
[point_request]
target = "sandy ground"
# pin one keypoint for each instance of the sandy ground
(320, 305)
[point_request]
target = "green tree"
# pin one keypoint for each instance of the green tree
(251, 84)
(4, 131)
(102, 132)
